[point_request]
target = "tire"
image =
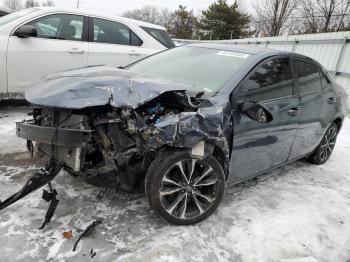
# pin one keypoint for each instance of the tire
(188, 196)
(325, 148)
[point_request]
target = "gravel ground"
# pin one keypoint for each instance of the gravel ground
(297, 213)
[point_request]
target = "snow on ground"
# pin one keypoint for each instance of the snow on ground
(8, 119)
(297, 213)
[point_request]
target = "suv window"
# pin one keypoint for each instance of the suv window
(308, 77)
(60, 26)
(109, 32)
(270, 80)
(161, 36)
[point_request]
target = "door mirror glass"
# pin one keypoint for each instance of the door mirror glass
(26, 31)
(256, 111)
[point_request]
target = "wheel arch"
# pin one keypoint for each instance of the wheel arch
(210, 149)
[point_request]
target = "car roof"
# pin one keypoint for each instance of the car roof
(239, 48)
(100, 14)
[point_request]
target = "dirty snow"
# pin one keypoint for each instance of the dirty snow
(297, 213)
(8, 119)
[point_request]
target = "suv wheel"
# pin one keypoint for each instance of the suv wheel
(182, 189)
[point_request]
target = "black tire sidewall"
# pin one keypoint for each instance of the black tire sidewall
(317, 155)
(155, 175)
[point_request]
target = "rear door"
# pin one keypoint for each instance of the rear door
(260, 146)
(114, 44)
(317, 105)
(59, 46)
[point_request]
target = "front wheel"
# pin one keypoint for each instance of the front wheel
(182, 189)
(325, 148)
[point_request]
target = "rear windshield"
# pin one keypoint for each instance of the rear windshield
(161, 36)
(11, 17)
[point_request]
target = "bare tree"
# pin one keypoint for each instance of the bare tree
(13, 4)
(325, 15)
(150, 14)
(344, 15)
(31, 3)
(49, 3)
(309, 21)
(164, 16)
(272, 16)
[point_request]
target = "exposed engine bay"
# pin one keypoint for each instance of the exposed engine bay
(119, 151)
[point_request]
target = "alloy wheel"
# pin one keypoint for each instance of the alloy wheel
(328, 143)
(188, 189)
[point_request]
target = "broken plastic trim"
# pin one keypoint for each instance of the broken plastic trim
(86, 232)
(35, 182)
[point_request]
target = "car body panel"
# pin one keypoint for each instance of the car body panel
(26, 64)
(117, 55)
(96, 86)
(259, 146)
(26, 57)
(248, 148)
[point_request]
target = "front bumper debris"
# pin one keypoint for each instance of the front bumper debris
(54, 135)
(35, 182)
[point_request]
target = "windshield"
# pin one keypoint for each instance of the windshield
(11, 17)
(202, 69)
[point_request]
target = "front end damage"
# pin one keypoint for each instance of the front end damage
(113, 146)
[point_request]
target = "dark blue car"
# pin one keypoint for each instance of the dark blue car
(184, 123)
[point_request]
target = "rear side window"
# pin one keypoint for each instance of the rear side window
(60, 26)
(308, 78)
(109, 32)
(161, 36)
(270, 80)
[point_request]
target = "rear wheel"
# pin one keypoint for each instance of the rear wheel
(325, 148)
(182, 189)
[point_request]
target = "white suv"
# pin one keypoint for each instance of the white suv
(38, 41)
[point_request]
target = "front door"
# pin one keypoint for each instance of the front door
(59, 46)
(258, 147)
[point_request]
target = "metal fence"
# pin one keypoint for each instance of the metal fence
(332, 50)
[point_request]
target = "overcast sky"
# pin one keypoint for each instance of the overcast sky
(120, 6)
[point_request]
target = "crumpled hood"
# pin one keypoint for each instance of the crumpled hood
(96, 86)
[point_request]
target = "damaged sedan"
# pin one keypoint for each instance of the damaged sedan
(183, 123)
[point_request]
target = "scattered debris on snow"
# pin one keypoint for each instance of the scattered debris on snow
(297, 213)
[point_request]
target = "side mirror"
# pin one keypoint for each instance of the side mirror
(256, 112)
(26, 31)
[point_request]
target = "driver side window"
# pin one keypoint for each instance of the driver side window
(270, 80)
(59, 26)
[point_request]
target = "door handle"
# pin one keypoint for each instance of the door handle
(76, 50)
(293, 111)
(331, 100)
